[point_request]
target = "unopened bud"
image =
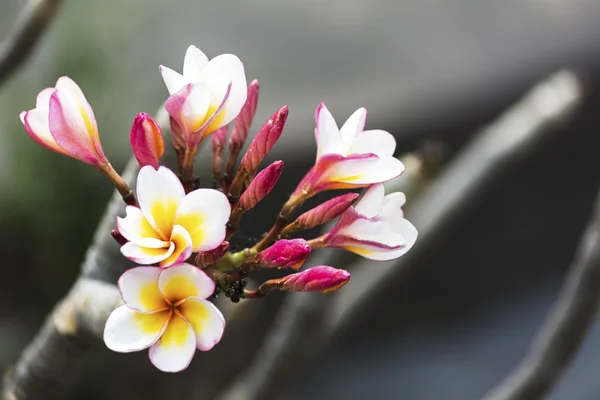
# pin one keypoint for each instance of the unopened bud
(322, 214)
(261, 185)
(244, 119)
(285, 254)
(317, 279)
(146, 140)
(206, 258)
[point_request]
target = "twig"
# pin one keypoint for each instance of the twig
(31, 24)
(51, 363)
(494, 151)
(561, 334)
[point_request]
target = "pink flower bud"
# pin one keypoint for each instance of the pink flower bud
(206, 258)
(264, 141)
(285, 254)
(317, 279)
(261, 185)
(244, 119)
(219, 139)
(326, 212)
(146, 140)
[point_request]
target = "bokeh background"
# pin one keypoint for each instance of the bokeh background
(441, 69)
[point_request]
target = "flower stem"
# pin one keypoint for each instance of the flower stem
(122, 186)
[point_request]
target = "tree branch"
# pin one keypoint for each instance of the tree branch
(561, 335)
(31, 24)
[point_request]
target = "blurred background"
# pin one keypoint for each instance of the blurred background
(455, 325)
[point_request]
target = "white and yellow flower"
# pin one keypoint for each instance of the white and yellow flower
(170, 225)
(207, 96)
(166, 311)
(375, 228)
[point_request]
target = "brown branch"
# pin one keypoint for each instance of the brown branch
(561, 335)
(31, 24)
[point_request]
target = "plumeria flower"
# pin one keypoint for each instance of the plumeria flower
(350, 157)
(170, 225)
(63, 121)
(166, 311)
(375, 228)
(207, 96)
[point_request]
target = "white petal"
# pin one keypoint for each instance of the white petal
(408, 232)
(373, 231)
(67, 84)
(366, 170)
(353, 126)
(135, 228)
(173, 80)
(218, 73)
(43, 98)
(197, 107)
(372, 201)
(206, 319)
(182, 243)
(204, 214)
(139, 289)
(329, 139)
(146, 255)
(184, 280)
(159, 193)
(392, 205)
(127, 330)
(375, 141)
(36, 124)
(175, 349)
(194, 62)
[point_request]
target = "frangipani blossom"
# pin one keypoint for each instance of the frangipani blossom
(375, 228)
(350, 157)
(169, 225)
(166, 311)
(63, 121)
(207, 96)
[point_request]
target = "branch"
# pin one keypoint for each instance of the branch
(494, 151)
(31, 24)
(561, 335)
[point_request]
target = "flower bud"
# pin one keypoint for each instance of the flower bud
(219, 140)
(261, 185)
(284, 254)
(322, 214)
(146, 140)
(244, 119)
(317, 279)
(206, 258)
(264, 141)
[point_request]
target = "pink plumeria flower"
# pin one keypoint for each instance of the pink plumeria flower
(166, 311)
(170, 225)
(350, 157)
(63, 121)
(375, 228)
(207, 96)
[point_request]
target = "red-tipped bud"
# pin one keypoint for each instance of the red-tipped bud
(244, 119)
(206, 258)
(261, 185)
(285, 254)
(264, 141)
(317, 279)
(120, 239)
(219, 139)
(146, 140)
(323, 213)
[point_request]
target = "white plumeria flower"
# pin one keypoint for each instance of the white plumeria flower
(207, 96)
(350, 157)
(170, 225)
(375, 228)
(166, 311)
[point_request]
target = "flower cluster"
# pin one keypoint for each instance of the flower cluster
(179, 234)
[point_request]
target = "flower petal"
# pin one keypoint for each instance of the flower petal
(146, 255)
(159, 193)
(136, 228)
(184, 280)
(329, 139)
(194, 62)
(139, 289)
(204, 214)
(182, 241)
(409, 234)
(190, 107)
(36, 124)
(173, 80)
(372, 201)
(354, 125)
(375, 141)
(175, 349)
(206, 319)
(360, 170)
(43, 98)
(127, 330)
(218, 73)
(392, 206)
(371, 231)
